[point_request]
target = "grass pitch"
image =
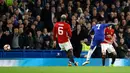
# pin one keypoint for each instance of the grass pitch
(65, 69)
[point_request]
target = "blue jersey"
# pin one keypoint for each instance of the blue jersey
(99, 31)
(98, 34)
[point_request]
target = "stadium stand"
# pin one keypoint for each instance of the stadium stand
(28, 24)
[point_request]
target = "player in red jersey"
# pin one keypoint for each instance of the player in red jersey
(62, 32)
(107, 45)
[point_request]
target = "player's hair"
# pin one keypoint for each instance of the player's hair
(63, 17)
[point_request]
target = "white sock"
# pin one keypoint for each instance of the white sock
(89, 54)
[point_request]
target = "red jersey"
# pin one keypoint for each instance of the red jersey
(62, 31)
(109, 33)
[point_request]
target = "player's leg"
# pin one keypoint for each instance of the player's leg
(92, 48)
(113, 58)
(71, 58)
(90, 52)
(69, 50)
(103, 49)
(61, 45)
(114, 54)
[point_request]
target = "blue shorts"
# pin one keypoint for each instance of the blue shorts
(95, 43)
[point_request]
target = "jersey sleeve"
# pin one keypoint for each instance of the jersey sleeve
(106, 25)
(105, 31)
(69, 31)
(91, 31)
(113, 32)
(54, 33)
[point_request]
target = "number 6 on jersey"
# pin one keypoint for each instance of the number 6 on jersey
(60, 30)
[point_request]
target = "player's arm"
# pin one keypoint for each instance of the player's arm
(54, 37)
(113, 36)
(109, 24)
(106, 35)
(92, 30)
(110, 42)
(114, 40)
(54, 33)
(69, 31)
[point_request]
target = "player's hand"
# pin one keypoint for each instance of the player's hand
(92, 36)
(108, 36)
(109, 42)
(54, 44)
(116, 45)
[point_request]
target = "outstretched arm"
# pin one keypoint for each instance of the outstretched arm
(109, 24)
(112, 23)
(90, 31)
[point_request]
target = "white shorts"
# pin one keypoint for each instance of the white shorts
(66, 46)
(107, 47)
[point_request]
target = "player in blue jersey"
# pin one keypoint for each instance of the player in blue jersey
(98, 38)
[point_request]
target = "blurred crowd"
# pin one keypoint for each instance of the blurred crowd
(29, 23)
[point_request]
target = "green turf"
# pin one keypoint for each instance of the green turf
(63, 69)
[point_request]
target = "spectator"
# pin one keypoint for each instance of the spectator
(29, 41)
(3, 7)
(53, 14)
(22, 8)
(46, 38)
(37, 9)
(94, 13)
(59, 13)
(122, 49)
(127, 37)
(39, 24)
(70, 13)
(123, 24)
(18, 15)
(46, 17)
(6, 38)
(10, 26)
(53, 3)
(78, 35)
(15, 4)
(21, 38)
(15, 39)
(30, 5)
(39, 40)
(87, 16)
(11, 10)
(118, 8)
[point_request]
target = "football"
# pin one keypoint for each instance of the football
(7, 47)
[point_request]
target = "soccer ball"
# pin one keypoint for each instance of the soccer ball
(7, 47)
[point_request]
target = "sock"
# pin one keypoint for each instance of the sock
(70, 56)
(89, 54)
(103, 60)
(113, 59)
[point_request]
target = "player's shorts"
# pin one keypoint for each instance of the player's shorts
(107, 47)
(95, 43)
(66, 46)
